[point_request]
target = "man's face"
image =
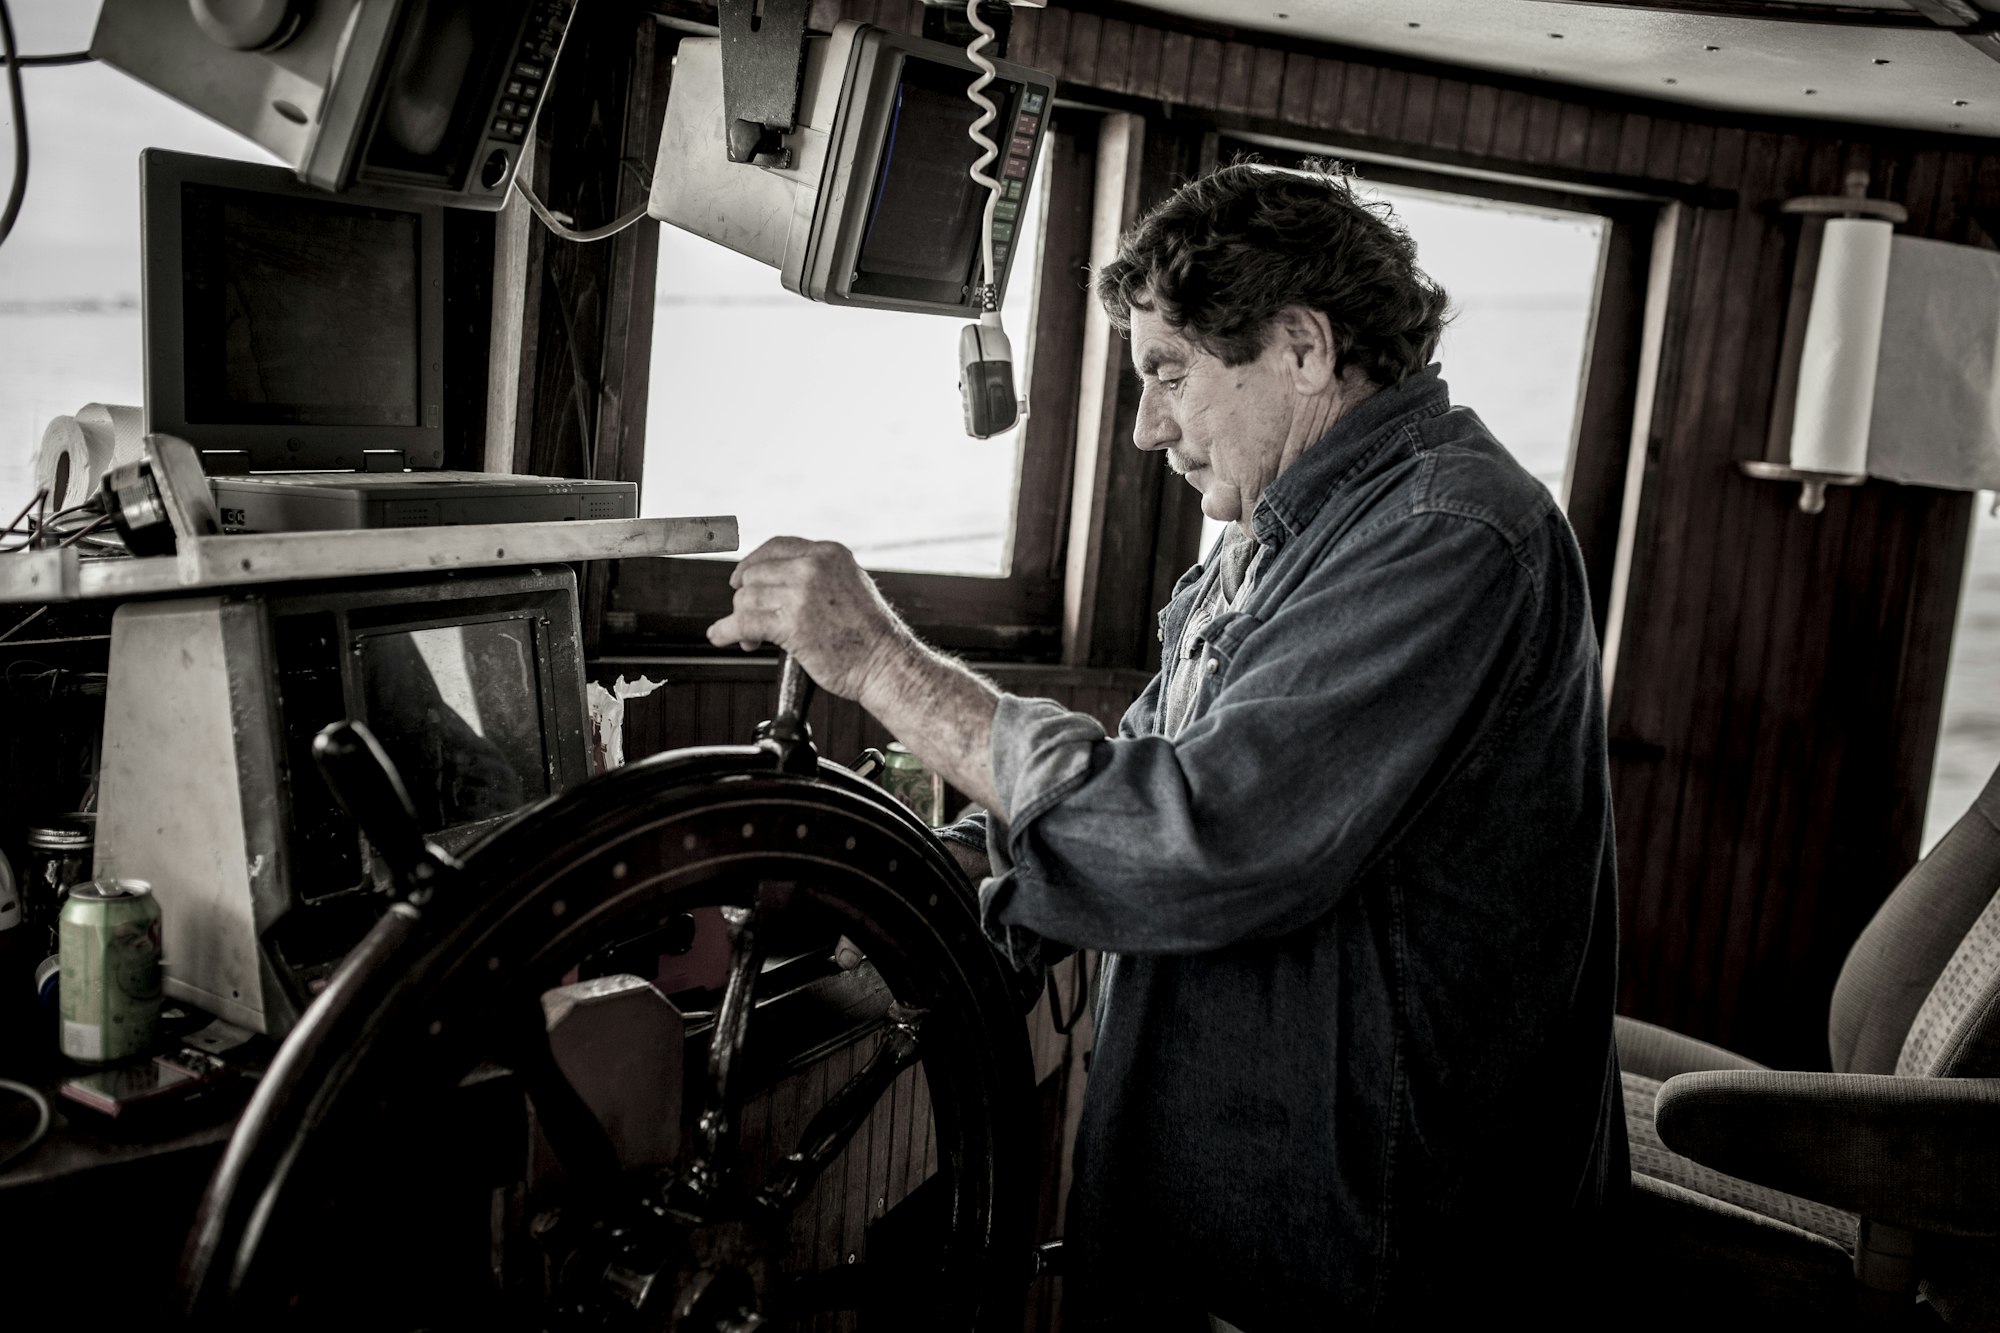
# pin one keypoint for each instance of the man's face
(1226, 429)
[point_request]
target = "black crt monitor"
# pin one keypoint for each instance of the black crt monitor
(474, 688)
(899, 216)
(870, 200)
(286, 328)
(433, 99)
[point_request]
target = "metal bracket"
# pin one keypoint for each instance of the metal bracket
(763, 61)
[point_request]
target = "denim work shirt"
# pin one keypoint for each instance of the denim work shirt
(1354, 1031)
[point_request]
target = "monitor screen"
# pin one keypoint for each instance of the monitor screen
(458, 708)
(297, 311)
(924, 218)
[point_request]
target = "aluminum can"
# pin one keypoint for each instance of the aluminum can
(110, 978)
(905, 777)
(60, 855)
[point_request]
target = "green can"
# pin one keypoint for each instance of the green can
(109, 949)
(905, 777)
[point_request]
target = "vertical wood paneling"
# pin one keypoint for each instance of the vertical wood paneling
(1204, 85)
(1084, 31)
(1385, 116)
(1114, 56)
(1420, 108)
(1482, 119)
(1329, 81)
(1238, 63)
(1448, 115)
(1295, 97)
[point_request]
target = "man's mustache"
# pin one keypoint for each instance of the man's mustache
(1181, 464)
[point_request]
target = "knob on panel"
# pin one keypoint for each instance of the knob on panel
(248, 25)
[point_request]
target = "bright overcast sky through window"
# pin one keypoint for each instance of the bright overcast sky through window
(826, 421)
(69, 275)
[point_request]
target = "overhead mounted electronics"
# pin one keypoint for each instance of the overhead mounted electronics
(870, 200)
(433, 99)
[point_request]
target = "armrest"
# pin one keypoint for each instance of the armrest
(1922, 1153)
(1659, 1053)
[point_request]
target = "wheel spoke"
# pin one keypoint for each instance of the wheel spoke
(715, 1151)
(845, 1112)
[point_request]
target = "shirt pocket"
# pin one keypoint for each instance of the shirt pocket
(1219, 644)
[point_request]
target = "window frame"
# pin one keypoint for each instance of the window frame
(639, 607)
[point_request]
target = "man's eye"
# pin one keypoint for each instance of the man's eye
(1173, 385)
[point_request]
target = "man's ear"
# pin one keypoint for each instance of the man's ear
(1311, 354)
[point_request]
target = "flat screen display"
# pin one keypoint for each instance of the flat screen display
(458, 708)
(924, 219)
(299, 311)
(439, 89)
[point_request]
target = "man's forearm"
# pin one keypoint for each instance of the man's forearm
(942, 710)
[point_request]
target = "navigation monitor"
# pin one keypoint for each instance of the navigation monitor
(286, 328)
(871, 201)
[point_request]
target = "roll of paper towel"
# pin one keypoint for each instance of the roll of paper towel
(77, 451)
(1843, 338)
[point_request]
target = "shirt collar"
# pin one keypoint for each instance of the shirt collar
(1291, 502)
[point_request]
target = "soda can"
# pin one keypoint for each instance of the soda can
(905, 777)
(109, 989)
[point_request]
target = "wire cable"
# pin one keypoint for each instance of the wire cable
(36, 1135)
(45, 62)
(20, 106)
(1065, 1026)
(989, 295)
(550, 220)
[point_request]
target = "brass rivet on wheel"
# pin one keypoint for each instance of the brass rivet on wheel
(801, 831)
(558, 907)
(620, 870)
(749, 830)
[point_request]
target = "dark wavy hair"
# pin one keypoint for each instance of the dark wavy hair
(1225, 253)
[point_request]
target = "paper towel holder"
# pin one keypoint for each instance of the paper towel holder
(1816, 210)
(1812, 485)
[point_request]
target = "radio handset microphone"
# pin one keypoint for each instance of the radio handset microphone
(986, 378)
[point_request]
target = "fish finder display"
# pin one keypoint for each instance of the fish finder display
(924, 220)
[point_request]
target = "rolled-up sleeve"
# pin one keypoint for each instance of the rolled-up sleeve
(1324, 728)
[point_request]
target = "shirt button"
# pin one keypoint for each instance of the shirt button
(1214, 665)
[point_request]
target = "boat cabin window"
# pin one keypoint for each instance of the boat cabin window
(828, 421)
(1968, 743)
(69, 274)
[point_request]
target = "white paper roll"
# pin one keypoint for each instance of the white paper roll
(77, 451)
(1843, 338)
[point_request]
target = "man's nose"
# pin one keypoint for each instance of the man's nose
(1153, 427)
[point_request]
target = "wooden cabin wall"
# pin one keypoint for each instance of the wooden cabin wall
(1779, 676)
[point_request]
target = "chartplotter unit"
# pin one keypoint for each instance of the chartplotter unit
(431, 99)
(870, 200)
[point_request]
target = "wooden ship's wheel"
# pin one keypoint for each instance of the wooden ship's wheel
(377, 1180)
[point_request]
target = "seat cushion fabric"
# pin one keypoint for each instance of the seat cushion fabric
(1690, 1257)
(1895, 964)
(1651, 1157)
(1660, 1053)
(1956, 1034)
